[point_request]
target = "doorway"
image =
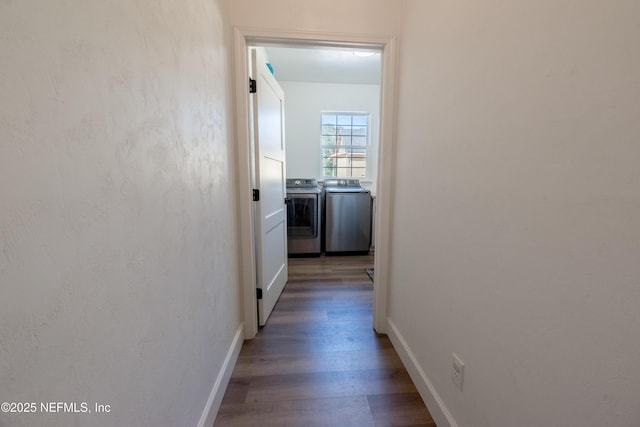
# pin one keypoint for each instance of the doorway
(245, 38)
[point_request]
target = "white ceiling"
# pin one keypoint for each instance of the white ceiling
(324, 65)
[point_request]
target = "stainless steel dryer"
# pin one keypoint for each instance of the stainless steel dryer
(304, 210)
(347, 217)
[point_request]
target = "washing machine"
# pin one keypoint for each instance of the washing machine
(304, 217)
(347, 228)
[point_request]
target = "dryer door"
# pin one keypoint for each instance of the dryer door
(302, 217)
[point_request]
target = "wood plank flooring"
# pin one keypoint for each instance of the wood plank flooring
(318, 361)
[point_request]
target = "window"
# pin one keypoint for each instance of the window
(345, 139)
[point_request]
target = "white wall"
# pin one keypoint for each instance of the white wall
(303, 104)
(520, 121)
(118, 254)
(335, 16)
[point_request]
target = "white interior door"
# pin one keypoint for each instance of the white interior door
(271, 212)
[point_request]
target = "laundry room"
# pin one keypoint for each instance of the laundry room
(331, 122)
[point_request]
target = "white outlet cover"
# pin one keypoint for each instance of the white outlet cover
(457, 371)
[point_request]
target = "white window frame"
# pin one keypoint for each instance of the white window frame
(347, 147)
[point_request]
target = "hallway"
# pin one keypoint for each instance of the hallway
(318, 361)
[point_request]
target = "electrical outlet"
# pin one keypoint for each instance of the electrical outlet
(457, 371)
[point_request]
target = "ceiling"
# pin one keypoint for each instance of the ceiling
(325, 65)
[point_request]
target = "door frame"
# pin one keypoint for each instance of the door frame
(245, 37)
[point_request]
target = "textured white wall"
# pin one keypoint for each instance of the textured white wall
(118, 254)
(303, 104)
(520, 122)
(335, 16)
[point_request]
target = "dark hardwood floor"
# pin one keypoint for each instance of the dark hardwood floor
(318, 361)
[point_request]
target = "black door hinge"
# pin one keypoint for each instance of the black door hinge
(253, 87)
(256, 195)
(258, 293)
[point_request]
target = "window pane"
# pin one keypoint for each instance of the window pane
(329, 119)
(344, 120)
(343, 172)
(345, 130)
(358, 130)
(328, 140)
(328, 129)
(346, 140)
(359, 140)
(328, 152)
(361, 120)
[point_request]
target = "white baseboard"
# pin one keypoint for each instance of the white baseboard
(437, 409)
(220, 386)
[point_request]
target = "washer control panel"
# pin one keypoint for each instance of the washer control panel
(342, 183)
